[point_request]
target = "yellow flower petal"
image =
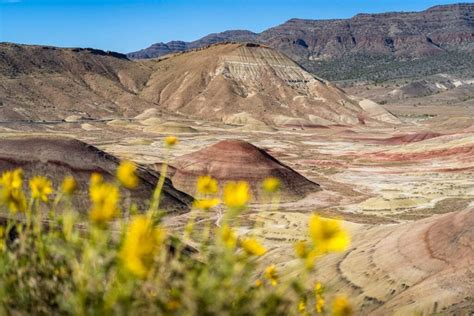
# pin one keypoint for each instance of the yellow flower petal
(142, 242)
(328, 234)
(171, 141)
(104, 198)
(271, 274)
(206, 204)
(341, 306)
(11, 194)
(252, 247)
(302, 307)
(41, 188)
(228, 236)
(96, 178)
(271, 185)
(236, 194)
(69, 185)
(126, 174)
(207, 185)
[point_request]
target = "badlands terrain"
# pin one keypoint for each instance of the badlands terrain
(400, 175)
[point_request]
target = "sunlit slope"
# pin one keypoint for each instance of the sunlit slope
(255, 82)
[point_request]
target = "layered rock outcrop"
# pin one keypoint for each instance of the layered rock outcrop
(223, 80)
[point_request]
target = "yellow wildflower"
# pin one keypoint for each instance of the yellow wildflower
(14, 199)
(206, 204)
(69, 219)
(318, 290)
(12, 179)
(11, 193)
(341, 306)
(271, 185)
(271, 274)
(328, 235)
(96, 178)
(236, 194)
(301, 249)
(170, 141)
(319, 305)
(207, 185)
(258, 283)
(142, 242)
(41, 188)
(228, 236)
(252, 247)
(302, 307)
(2, 239)
(126, 174)
(69, 185)
(104, 198)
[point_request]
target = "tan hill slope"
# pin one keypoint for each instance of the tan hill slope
(242, 82)
(57, 157)
(234, 160)
(423, 267)
(39, 82)
(251, 81)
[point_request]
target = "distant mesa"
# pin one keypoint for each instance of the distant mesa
(340, 47)
(235, 160)
(57, 157)
(417, 34)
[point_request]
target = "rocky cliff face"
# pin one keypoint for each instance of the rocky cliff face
(401, 34)
(437, 31)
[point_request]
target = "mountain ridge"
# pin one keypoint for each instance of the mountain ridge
(437, 31)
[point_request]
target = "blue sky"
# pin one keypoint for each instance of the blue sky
(126, 26)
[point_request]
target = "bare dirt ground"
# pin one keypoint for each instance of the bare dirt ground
(369, 178)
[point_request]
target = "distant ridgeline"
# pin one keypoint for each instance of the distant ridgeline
(367, 46)
(247, 85)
